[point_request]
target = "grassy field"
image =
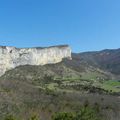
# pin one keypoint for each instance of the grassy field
(109, 85)
(113, 86)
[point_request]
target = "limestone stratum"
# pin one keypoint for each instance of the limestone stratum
(11, 57)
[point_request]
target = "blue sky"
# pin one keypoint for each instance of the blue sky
(85, 25)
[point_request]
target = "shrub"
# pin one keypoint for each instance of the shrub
(10, 117)
(85, 113)
(63, 116)
(34, 117)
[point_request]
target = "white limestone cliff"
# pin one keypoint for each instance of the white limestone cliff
(11, 57)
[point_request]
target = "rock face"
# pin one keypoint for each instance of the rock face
(11, 57)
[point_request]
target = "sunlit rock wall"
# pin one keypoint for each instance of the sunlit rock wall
(11, 57)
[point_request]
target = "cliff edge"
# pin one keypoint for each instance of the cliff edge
(11, 57)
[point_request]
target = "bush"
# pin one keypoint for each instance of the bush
(34, 117)
(47, 79)
(85, 113)
(63, 116)
(10, 117)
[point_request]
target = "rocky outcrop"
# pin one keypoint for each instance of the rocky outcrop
(11, 57)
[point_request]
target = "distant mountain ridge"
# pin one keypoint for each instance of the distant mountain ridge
(108, 59)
